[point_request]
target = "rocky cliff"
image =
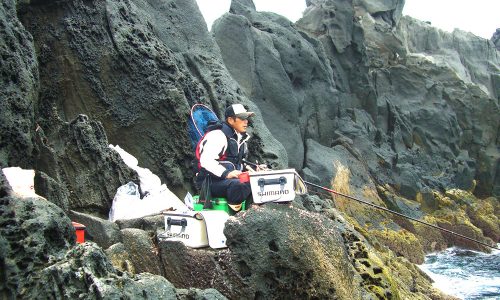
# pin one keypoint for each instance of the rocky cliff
(354, 96)
(404, 108)
(135, 67)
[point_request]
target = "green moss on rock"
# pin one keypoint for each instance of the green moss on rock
(403, 243)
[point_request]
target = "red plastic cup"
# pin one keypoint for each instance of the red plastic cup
(244, 177)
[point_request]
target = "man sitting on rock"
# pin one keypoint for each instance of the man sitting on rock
(221, 154)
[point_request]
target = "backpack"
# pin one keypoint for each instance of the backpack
(201, 121)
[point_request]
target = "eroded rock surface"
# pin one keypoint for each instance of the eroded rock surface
(412, 109)
(39, 257)
(354, 96)
(496, 38)
(18, 89)
(136, 67)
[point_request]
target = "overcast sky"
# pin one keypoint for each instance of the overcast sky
(481, 17)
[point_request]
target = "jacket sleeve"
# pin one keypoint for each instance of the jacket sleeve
(213, 144)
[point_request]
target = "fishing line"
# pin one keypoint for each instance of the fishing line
(399, 214)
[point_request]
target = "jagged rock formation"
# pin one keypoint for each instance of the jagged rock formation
(496, 38)
(284, 74)
(365, 72)
(407, 118)
(77, 155)
(276, 251)
(354, 95)
(18, 90)
(403, 106)
(38, 257)
(136, 67)
(37, 241)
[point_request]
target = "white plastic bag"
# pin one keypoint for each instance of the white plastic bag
(150, 183)
(161, 200)
(21, 181)
(126, 203)
(156, 196)
(127, 158)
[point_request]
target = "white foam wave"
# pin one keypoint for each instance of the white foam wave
(459, 272)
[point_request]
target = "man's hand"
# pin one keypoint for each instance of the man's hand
(233, 174)
(249, 169)
(262, 167)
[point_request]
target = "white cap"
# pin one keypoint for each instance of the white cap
(238, 110)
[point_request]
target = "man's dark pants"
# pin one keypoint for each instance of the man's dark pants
(232, 189)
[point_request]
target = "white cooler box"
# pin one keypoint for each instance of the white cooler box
(195, 229)
(276, 185)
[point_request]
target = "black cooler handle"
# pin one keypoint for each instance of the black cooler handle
(262, 182)
(182, 222)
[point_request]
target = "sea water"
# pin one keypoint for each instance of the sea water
(465, 274)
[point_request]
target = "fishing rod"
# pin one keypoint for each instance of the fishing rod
(389, 211)
(399, 214)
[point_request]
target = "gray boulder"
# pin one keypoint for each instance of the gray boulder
(100, 231)
(120, 258)
(86, 272)
(142, 251)
(281, 251)
(33, 233)
(52, 190)
(201, 268)
(149, 223)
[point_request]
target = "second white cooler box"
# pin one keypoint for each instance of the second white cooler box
(276, 185)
